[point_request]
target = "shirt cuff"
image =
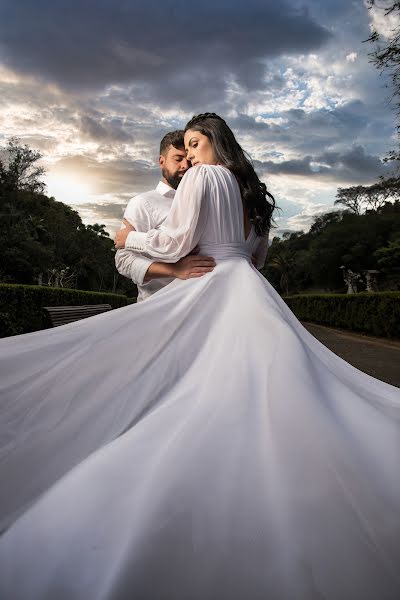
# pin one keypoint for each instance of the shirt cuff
(139, 270)
(136, 240)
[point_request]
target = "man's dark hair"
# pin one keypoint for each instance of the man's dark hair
(173, 138)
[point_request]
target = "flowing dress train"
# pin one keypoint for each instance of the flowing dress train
(199, 445)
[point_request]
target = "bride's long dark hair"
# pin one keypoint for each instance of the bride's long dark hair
(258, 202)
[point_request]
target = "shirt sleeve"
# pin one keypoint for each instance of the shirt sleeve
(185, 222)
(261, 251)
(131, 265)
(127, 262)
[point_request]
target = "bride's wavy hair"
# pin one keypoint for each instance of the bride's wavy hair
(258, 202)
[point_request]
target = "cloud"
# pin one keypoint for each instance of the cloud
(104, 211)
(91, 44)
(103, 129)
(384, 24)
(351, 57)
(95, 85)
(120, 175)
(304, 220)
(299, 132)
(353, 166)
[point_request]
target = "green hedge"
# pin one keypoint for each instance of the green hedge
(21, 305)
(373, 313)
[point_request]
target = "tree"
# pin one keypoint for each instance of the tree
(42, 240)
(98, 230)
(19, 170)
(283, 262)
(352, 198)
(390, 208)
(373, 197)
(388, 257)
(322, 221)
(378, 194)
(386, 57)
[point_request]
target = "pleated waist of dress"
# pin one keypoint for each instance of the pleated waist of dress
(225, 251)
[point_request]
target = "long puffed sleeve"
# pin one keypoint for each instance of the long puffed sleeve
(181, 230)
(261, 252)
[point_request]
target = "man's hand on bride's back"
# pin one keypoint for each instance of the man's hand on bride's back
(191, 266)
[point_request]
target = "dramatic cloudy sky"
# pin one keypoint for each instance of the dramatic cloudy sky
(95, 84)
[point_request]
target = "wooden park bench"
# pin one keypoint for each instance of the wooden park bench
(61, 315)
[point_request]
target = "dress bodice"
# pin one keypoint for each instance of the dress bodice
(207, 213)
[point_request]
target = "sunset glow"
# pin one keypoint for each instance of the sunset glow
(298, 91)
(68, 189)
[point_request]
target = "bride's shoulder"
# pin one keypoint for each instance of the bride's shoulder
(214, 170)
(212, 173)
(201, 167)
(217, 168)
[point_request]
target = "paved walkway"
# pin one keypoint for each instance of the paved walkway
(379, 357)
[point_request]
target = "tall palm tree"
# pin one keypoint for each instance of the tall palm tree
(283, 261)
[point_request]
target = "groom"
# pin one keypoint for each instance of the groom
(147, 211)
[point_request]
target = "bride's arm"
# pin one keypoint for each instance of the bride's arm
(182, 229)
(260, 255)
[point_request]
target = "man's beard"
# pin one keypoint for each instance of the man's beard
(173, 180)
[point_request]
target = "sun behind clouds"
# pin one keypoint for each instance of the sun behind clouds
(68, 189)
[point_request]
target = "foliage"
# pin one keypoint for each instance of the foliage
(322, 221)
(339, 238)
(283, 261)
(373, 313)
(21, 305)
(351, 198)
(388, 257)
(386, 56)
(18, 169)
(45, 241)
(372, 197)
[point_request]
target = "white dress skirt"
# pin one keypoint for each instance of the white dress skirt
(201, 445)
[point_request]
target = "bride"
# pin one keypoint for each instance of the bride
(201, 445)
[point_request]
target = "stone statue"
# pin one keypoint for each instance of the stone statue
(351, 279)
(371, 276)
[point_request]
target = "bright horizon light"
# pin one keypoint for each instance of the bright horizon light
(68, 189)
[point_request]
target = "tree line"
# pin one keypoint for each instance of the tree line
(314, 261)
(45, 242)
(365, 233)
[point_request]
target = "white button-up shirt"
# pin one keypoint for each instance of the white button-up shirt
(145, 211)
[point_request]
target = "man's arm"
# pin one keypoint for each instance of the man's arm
(182, 229)
(131, 265)
(140, 269)
(186, 268)
(127, 262)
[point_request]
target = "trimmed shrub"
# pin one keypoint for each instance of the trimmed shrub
(21, 306)
(374, 313)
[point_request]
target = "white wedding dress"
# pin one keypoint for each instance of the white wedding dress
(201, 445)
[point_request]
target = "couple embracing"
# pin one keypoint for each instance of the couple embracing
(149, 210)
(200, 445)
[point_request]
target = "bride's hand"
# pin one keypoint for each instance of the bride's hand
(122, 234)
